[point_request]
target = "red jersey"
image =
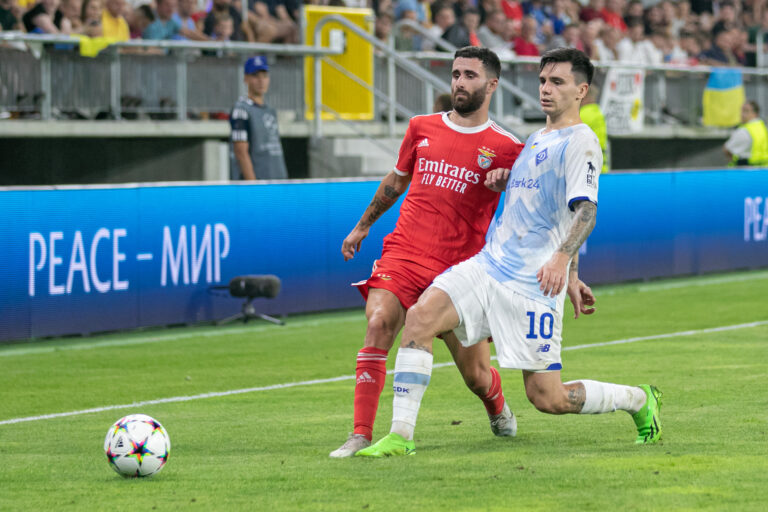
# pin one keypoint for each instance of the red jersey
(447, 209)
(525, 48)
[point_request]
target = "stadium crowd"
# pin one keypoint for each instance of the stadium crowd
(650, 32)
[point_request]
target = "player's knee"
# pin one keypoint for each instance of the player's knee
(478, 381)
(381, 331)
(419, 320)
(547, 402)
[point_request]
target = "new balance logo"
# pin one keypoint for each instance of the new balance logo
(365, 377)
(424, 144)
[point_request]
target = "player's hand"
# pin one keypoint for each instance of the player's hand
(581, 297)
(496, 179)
(352, 243)
(551, 276)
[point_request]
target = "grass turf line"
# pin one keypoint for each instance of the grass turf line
(269, 450)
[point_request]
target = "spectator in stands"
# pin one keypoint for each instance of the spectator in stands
(611, 14)
(671, 17)
(281, 15)
(91, 16)
(255, 149)
(635, 9)
(635, 48)
(46, 18)
(720, 53)
(654, 20)
(164, 27)
(414, 6)
(223, 29)
(8, 15)
(524, 44)
(406, 38)
(607, 45)
(570, 37)
(139, 19)
(443, 17)
(592, 10)
(726, 18)
(511, 31)
(590, 32)
(691, 46)
(512, 9)
(491, 33)
(183, 16)
(748, 145)
(71, 10)
(383, 26)
(559, 16)
(443, 103)
(739, 45)
(464, 33)
(752, 38)
(221, 8)
(113, 24)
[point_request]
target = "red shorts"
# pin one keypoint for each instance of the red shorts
(406, 279)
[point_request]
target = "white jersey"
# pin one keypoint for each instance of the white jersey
(553, 171)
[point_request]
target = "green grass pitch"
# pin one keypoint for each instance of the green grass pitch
(267, 448)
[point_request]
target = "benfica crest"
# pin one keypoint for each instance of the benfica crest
(485, 158)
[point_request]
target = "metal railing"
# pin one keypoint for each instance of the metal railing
(187, 79)
(164, 72)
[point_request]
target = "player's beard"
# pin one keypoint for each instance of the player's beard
(464, 105)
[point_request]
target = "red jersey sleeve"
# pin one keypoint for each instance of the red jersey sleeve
(407, 154)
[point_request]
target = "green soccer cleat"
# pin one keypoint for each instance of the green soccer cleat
(392, 444)
(648, 418)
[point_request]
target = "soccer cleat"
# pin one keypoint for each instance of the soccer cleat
(504, 423)
(392, 444)
(648, 418)
(354, 443)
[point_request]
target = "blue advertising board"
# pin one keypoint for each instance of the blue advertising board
(78, 260)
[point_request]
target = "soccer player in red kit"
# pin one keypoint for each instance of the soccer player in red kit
(444, 158)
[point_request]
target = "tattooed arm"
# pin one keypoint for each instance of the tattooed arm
(390, 189)
(580, 294)
(552, 275)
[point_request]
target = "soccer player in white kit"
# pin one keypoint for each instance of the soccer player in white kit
(514, 288)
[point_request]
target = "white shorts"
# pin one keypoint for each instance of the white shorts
(526, 333)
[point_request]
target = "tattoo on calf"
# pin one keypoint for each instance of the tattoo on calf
(413, 344)
(577, 396)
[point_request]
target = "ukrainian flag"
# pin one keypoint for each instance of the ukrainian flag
(723, 97)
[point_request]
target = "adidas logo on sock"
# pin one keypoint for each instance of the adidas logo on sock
(424, 143)
(365, 377)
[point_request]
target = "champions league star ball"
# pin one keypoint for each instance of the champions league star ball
(137, 445)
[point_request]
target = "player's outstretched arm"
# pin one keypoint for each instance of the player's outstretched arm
(552, 275)
(390, 189)
(496, 179)
(580, 294)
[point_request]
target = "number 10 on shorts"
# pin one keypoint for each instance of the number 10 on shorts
(546, 324)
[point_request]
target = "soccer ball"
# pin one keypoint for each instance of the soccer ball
(137, 445)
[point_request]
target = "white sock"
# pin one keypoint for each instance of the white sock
(413, 369)
(604, 397)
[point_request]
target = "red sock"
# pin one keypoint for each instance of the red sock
(494, 400)
(371, 371)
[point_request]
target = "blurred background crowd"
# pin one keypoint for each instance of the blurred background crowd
(647, 32)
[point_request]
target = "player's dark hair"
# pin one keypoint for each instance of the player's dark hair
(489, 59)
(581, 67)
(755, 106)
